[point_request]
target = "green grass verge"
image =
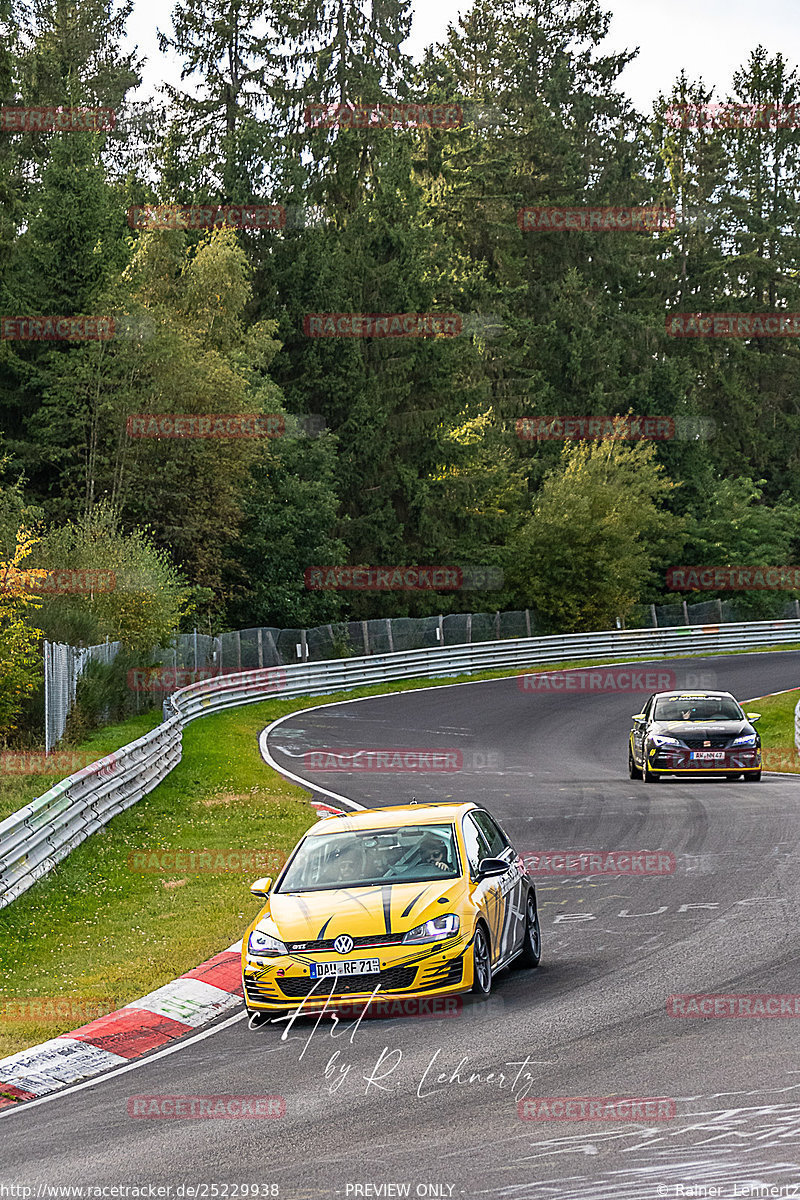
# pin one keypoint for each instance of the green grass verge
(99, 934)
(777, 730)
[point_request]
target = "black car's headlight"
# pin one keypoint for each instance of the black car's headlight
(747, 739)
(658, 739)
(435, 930)
(260, 944)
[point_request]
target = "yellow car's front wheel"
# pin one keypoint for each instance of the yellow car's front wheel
(481, 962)
(531, 954)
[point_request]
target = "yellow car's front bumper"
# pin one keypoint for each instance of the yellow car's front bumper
(283, 982)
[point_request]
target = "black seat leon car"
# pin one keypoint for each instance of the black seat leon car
(694, 733)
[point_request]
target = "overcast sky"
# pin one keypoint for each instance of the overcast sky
(709, 38)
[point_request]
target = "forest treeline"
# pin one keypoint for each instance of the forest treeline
(393, 450)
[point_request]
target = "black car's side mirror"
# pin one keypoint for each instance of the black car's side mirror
(489, 867)
(638, 717)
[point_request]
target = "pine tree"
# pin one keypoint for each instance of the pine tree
(225, 140)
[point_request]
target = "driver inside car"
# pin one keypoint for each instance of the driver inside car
(434, 853)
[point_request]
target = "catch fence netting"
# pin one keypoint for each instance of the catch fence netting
(193, 656)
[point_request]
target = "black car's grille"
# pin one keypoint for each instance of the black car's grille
(378, 939)
(394, 980)
(720, 742)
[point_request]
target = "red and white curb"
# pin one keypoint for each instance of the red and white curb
(163, 1016)
(326, 810)
(148, 1024)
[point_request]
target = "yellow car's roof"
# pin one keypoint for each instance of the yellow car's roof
(391, 818)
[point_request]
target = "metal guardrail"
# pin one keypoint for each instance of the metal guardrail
(38, 836)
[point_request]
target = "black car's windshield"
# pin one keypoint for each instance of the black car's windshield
(409, 854)
(709, 708)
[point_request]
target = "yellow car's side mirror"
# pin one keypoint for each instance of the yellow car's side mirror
(261, 886)
(753, 716)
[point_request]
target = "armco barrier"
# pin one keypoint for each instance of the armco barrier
(38, 836)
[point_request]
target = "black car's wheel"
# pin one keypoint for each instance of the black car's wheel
(732, 777)
(481, 962)
(531, 954)
(756, 777)
(633, 770)
(649, 776)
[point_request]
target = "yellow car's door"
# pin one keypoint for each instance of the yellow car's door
(486, 894)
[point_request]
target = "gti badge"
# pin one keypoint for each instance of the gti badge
(343, 944)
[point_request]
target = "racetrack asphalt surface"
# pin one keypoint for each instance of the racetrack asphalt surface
(432, 1104)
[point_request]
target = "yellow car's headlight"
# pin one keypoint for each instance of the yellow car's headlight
(261, 943)
(435, 930)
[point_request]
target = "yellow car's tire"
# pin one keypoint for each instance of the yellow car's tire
(481, 961)
(531, 954)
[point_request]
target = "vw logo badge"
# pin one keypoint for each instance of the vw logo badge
(343, 944)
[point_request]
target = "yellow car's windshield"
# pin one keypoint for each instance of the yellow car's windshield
(408, 854)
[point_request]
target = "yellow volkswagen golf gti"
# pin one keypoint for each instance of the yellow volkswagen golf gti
(415, 900)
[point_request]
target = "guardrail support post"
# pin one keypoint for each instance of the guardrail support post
(685, 614)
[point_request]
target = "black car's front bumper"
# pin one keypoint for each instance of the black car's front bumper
(674, 760)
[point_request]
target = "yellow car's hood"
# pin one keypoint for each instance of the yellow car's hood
(360, 911)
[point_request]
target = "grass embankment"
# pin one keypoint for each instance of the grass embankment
(777, 730)
(96, 934)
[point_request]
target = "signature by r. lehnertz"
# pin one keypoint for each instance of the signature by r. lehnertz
(515, 1077)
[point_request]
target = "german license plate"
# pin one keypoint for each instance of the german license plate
(707, 755)
(358, 966)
